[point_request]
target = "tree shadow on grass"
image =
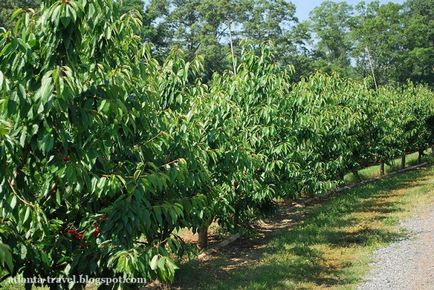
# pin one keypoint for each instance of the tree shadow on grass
(293, 256)
(361, 237)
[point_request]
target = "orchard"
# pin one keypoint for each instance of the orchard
(106, 153)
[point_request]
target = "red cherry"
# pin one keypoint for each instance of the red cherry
(77, 234)
(71, 231)
(97, 231)
(67, 158)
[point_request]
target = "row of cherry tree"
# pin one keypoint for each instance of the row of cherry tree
(105, 153)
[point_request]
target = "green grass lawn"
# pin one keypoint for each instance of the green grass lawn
(329, 245)
(374, 171)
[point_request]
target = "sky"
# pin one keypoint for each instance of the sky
(305, 6)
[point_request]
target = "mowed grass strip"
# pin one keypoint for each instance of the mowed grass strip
(329, 247)
(394, 165)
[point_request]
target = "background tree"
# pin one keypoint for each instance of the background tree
(275, 22)
(198, 27)
(331, 24)
(378, 35)
(419, 35)
(214, 29)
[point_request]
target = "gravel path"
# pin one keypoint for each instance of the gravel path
(406, 264)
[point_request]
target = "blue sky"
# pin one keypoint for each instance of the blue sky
(305, 6)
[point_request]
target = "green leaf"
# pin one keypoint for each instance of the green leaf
(23, 137)
(153, 263)
(46, 143)
(13, 201)
(6, 257)
(27, 214)
(46, 88)
(58, 197)
(162, 263)
(4, 128)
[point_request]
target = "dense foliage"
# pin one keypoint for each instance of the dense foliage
(105, 153)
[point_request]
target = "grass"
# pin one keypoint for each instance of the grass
(329, 245)
(374, 171)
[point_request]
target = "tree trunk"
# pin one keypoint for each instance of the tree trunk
(28, 286)
(382, 168)
(432, 150)
(202, 242)
(356, 174)
(234, 64)
(236, 218)
(403, 161)
(341, 175)
(419, 159)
